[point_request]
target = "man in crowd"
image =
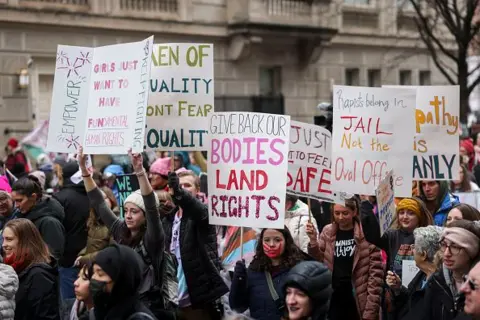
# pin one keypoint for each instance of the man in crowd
(471, 290)
(438, 199)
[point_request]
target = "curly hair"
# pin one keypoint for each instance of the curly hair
(290, 257)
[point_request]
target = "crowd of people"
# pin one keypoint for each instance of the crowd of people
(68, 253)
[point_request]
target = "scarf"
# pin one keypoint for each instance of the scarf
(17, 264)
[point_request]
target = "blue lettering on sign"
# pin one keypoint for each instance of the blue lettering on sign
(429, 167)
(181, 138)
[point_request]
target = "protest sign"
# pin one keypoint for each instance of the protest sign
(373, 133)
(409, 271)
(68, 111)
(247, 171)
(99, 98)
(181, 96)
(386, 202)
(309, 161)
(436, 132)
(126, 184)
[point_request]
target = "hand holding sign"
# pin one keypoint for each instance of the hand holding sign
(173, 183)
(82, 161)
(311, 231)
(393, 280)
(137, 161)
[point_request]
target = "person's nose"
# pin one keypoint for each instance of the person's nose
(291, 300)
(465, 287)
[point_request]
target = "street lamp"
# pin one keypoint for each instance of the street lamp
(23, 79)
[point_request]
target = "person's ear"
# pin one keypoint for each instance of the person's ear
(423, 256)
(34, 197)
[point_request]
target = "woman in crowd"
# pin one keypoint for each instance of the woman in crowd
(111, 200)
(46, 213)
(83, 302)
(115, 283)
(25, 251)
(464, 182)
(141, 229)
(356, 264)
(8, 289)
(308, 287)
(463, 211)
(409, 302)
(98, 233)
(397, 241)
(260, 288)
(460, 249)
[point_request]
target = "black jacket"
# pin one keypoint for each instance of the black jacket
(75, 203)
(409, 304)
(48, 215)
(440, 304)
(38, 293)
(198, 248)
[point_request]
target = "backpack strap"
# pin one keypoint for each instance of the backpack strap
(271, 288)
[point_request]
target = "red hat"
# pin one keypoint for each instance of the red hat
(12, 143)
(467, 144)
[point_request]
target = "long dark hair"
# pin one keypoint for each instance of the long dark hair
(27, 186)
(290, 257)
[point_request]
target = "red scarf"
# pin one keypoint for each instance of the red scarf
(17, 264)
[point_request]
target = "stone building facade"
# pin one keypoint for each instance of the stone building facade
(278, 56)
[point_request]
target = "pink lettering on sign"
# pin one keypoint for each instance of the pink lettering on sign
(232, 150)
(233, 206)
(108, 122)
(109, 102)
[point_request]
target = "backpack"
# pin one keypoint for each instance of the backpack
(165, 278)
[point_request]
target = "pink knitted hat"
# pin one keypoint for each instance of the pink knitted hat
(161, 166)
(4, 185)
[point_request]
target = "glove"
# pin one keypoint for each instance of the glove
(173, 181)
(240, 270)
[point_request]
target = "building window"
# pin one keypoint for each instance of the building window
(405, 77)
(270, 81)
(424, 78)
(356, 1)
(352, 77)
(374, 78)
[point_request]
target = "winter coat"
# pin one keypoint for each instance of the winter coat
(445, 203)
(198, 249)
(78, 311)
(8, 289)
(296, 219)
(367, 273)
(48, 215)
(410, 302)
(98, 238)
(38, 293)
(253, 293)
(74, 200)
(440, 304)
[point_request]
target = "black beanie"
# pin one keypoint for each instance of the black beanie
(109, 260)
(69, 169)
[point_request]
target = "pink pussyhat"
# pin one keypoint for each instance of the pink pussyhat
(161, 166)
(5, 185)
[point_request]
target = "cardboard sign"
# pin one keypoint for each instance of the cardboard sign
(181, 97)
(247, 171)
(309, 161)
(126, 184)
(386, 202)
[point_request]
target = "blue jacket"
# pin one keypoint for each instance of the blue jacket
(253, 293)
(448, 202)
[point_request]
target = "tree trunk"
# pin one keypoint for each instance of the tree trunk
(463, 83)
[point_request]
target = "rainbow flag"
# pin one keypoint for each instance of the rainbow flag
(231, 247)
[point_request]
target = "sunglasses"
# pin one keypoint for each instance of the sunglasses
(472, 285)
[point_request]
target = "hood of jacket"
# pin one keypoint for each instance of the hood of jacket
(186, 161)
(299, 209)
(8, 281)
(46, 207)
(69, 185)
(50, 270)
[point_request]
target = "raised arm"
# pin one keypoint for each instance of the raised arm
(154, 236)
(371, 227)
(95, 196)
(192, 208)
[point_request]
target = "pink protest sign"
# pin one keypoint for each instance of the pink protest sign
(248, 169)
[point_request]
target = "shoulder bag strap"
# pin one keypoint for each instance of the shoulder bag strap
(273, 292)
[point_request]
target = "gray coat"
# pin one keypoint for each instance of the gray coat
(8, 289)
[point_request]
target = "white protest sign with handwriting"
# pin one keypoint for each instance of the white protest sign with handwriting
(373, 131)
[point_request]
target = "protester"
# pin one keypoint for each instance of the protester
(297, 214)
(182, 160)
(464, 182)
(46, 213)
(74, 200)
(115, 283)
(460, 247)
(8, 289)
(438, 199)
(110, 174)
(158, 173)
(356, 264)
(6, 209)
(98, 234)
(110, 199)
(471, 290)
(260, 287)
(308, 287)
(409, 302)
(141, 229)
(25, 251)
(463, 211)
(83, 299)
(5, 184)
(193, 241)
(15, 156)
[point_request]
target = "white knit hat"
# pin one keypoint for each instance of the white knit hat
(137, 199)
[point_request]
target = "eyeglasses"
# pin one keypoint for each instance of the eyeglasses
(454, 249)
(472, 285)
